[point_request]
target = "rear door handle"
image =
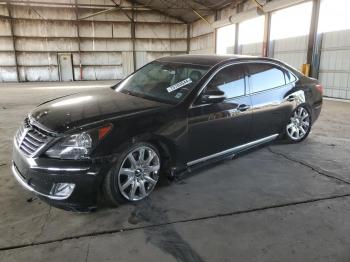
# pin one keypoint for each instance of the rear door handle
(291, 99)
(243, 108)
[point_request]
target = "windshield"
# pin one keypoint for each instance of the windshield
(163, 81)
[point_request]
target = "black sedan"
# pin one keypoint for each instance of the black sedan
(173, 114)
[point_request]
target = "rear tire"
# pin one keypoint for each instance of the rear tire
(299, 125)
(134, 175)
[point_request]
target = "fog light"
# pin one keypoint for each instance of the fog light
(62, 189)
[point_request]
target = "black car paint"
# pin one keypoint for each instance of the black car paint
(182, 132)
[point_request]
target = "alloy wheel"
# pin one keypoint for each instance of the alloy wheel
(139, 173)
(299, 124)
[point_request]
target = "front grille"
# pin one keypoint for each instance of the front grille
(30, 139)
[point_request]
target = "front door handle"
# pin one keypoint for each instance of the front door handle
(243, 108)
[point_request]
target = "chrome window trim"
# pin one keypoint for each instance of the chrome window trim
(247, 84)
(272, 88)
(234, 149)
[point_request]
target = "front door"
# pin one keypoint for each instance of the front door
(218, 127)
(66, 67)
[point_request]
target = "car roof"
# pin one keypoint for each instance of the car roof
(217, 60)
(210, 60)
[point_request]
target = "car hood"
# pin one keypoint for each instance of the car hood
(76, 110)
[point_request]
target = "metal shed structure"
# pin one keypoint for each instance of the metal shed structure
(69, 40)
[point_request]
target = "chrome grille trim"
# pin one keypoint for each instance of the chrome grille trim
(31, 139)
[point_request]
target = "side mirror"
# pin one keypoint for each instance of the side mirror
(213, 96)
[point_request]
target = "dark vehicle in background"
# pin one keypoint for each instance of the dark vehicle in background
(173, 114)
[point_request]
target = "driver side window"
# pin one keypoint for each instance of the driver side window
(229, 80)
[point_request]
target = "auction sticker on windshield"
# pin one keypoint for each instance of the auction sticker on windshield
(179, 85)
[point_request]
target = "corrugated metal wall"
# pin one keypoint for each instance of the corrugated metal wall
(252, 49)
(335, 64)
(101, 44)
(292, 51)
(202, 37)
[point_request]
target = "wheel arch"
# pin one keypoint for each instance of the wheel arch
(165, 146)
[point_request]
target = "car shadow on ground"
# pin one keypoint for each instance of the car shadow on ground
(182, 177)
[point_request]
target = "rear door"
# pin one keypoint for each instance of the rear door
(270, 87)
(216, 127)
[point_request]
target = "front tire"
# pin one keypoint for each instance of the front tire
(134, 175)
(299, 125)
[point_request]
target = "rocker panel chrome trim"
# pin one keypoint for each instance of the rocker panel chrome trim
(235, 149)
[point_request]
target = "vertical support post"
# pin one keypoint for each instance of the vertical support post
(313, 51)
(237, 49)
(13, 40)
(266, 52)
(316, 58)
(79, 41)
(216, 18)
(133, 34)
(188, 38)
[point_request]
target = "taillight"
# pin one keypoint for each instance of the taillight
(319, 88)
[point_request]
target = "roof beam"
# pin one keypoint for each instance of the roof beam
(99, 13)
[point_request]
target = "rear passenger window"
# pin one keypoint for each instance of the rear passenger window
(265, 76)
(290, 78)
(229, 80)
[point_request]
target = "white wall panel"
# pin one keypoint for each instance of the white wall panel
(43, 13)
(93, 2)
(161, 30)
(295, 60)
(204, 43)
(156, 55)
(292, 51)
(252, 49)
(106, 45)
(143, 58)
(336, 39)
(7, 59)
(128, 63)
(106, 30)
(291, 44)
(100, 72)
(38, 73)
(160, 45)
(8, 74)
(121, 30)
(95, 29)
(93, 58)
(3, 10)
(105, 42)
(6, 43)
(44, 28)
(335, 64)
(5, 27)
(36, 59)
(208, 51)
(46, 45)
(201, 27)
(149, 16)
(115, 16)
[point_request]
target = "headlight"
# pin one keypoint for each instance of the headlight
(78, 146)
